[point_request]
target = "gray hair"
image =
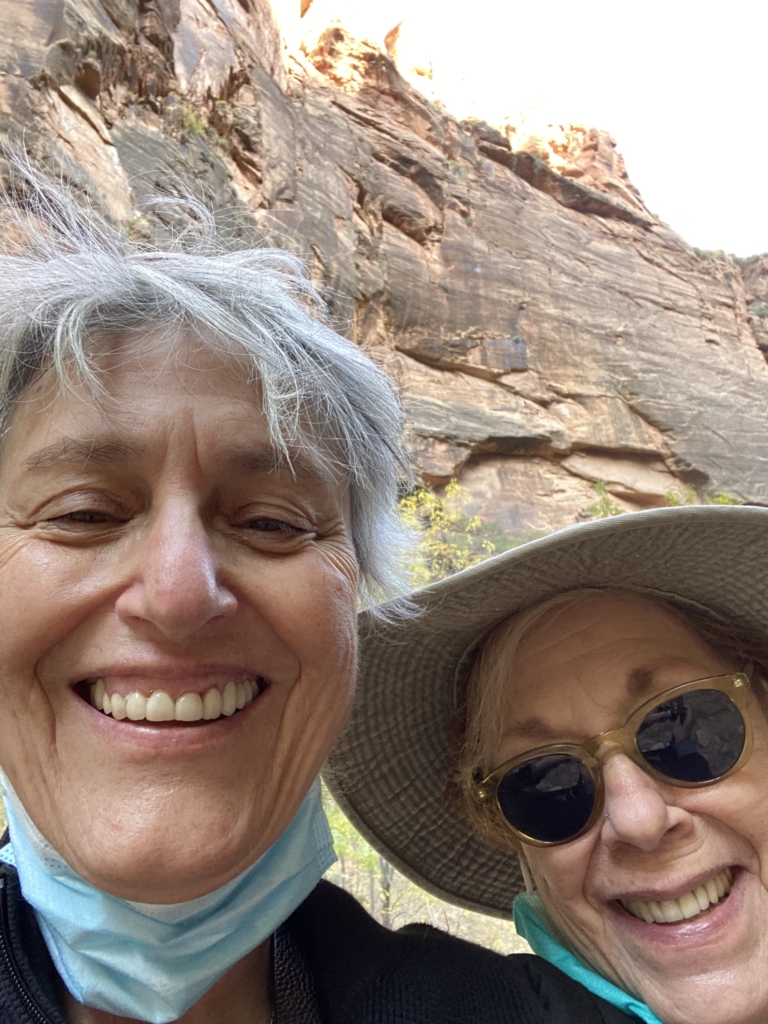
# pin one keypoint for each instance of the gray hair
(69, 278)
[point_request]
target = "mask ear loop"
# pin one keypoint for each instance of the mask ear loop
(530, 885)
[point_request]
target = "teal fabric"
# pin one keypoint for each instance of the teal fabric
(530, 923)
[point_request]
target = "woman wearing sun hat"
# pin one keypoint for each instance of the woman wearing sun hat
(586, 717)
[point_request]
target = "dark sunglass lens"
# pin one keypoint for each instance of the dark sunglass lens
(696, 737)
(549, 798)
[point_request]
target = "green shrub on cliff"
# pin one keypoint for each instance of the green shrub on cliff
(605, 506)
(685, 496)
(190, 121)
(721, 498)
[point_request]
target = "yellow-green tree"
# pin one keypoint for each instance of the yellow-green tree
(450, 540)
(688, 496)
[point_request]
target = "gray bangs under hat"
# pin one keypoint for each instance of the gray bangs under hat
(390, 771)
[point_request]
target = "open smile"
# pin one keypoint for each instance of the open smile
(693, 904)
(158, 705)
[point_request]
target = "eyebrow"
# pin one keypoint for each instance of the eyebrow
(267, 460)
(533, 727)
(115, 451)
(98, 451)
(638, 683)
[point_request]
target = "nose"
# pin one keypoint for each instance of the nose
(175, 583)
(638, 811)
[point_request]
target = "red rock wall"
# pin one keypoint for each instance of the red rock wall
(546, 329)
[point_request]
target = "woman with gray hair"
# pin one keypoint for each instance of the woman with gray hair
(585, 718)
(198, 483)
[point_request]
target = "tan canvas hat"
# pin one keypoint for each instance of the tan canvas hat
(390, 769)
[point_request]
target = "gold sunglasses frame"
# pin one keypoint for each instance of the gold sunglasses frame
(735, 685)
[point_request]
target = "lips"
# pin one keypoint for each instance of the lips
(692, 904)
(158, 705)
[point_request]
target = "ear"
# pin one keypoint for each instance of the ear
(530, 885)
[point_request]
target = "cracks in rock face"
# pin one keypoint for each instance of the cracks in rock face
(567, 191)
(366, 217)
(406, 194)
(438, 177)
(412, 169)
(152, 55)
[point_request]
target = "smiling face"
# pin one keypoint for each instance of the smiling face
(150, 543)
(580, 672)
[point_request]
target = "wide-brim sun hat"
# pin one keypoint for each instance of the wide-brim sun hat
(390, 771)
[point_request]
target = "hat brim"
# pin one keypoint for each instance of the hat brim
(391, 768)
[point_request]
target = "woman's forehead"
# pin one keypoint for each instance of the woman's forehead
(148, 407)
(597, 660)
(124, 370)
(137, 402)
(615, 626)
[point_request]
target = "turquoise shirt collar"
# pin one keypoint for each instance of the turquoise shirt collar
(530, 923)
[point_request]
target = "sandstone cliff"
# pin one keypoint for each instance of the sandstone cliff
(547, 330)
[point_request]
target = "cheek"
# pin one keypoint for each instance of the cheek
(314, 614)
(315, 709)
(45, 593)
(314, 611)
(39, 607)
(328, 639)
(736, 810)
(561, 876)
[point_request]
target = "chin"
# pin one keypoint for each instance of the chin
(156, 860)
(154, 875)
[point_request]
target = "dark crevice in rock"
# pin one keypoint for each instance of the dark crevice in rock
(482, 430)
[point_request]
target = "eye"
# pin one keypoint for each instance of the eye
(264, 524)
(85, 515)
(273, 532)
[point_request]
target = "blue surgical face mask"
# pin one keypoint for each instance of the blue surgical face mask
(150, 961)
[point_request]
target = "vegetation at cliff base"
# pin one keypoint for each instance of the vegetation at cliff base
(605, 507)
(450, 539)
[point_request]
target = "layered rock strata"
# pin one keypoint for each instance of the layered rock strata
(546, 329)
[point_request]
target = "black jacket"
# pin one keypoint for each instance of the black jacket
(366, 974)
(361, 972)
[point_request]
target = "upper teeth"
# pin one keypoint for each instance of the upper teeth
(692, 903)
(159, 706)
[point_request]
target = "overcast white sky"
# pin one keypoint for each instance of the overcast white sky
(682, 86)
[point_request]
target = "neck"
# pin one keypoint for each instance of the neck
(241, 996)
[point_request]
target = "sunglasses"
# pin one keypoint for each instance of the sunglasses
(692, 735)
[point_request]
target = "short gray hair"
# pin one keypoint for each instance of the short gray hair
(69, 277)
